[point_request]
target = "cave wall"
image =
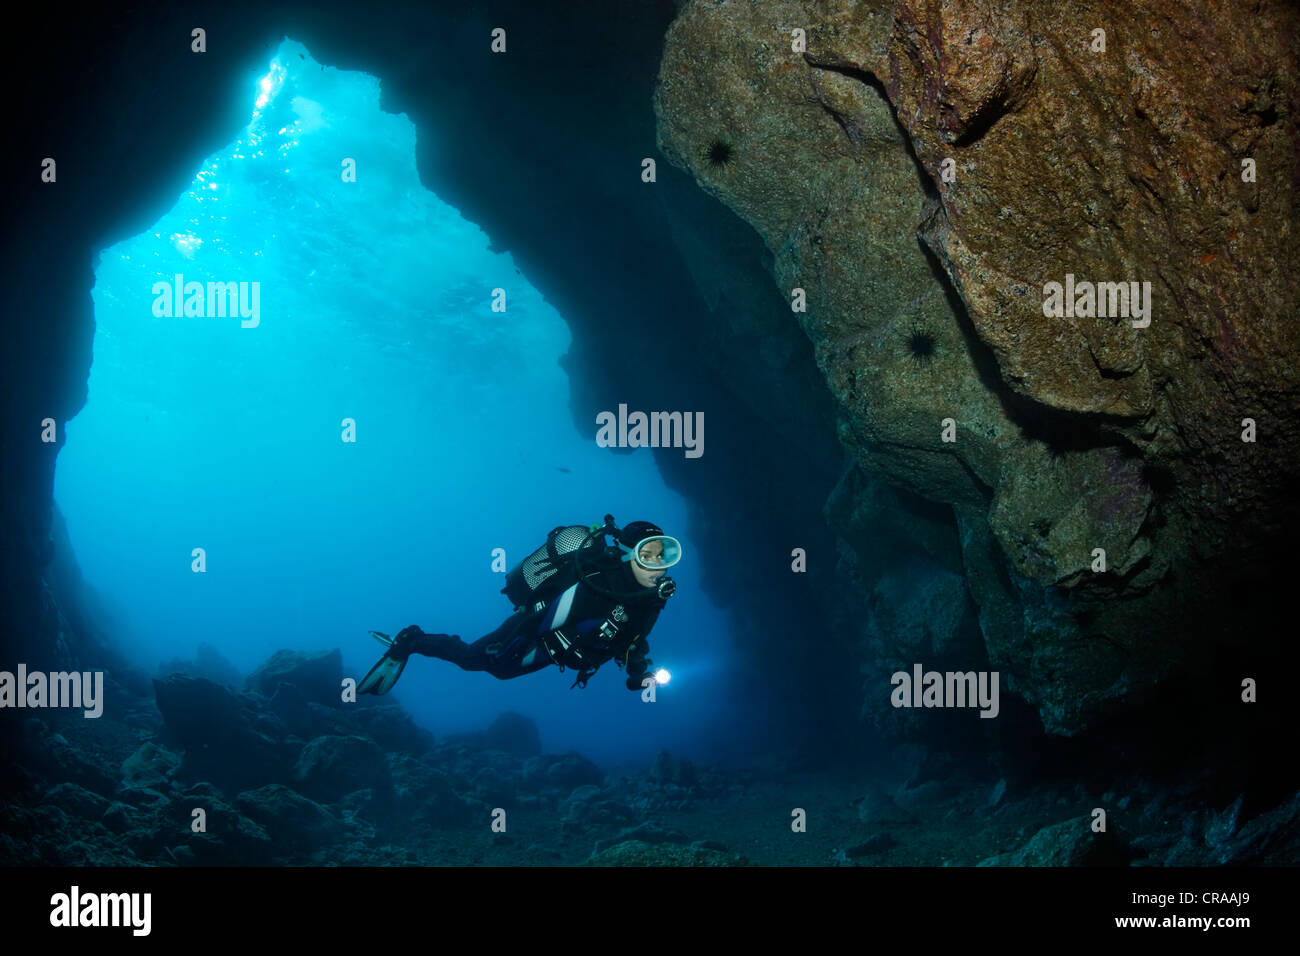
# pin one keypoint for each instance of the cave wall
(926, 293)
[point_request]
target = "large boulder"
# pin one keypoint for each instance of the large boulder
(562, 771)
(76, 800)
(392, 728)
(1069, 843)
(150, 767)
(426, 795)
(292, 822)
(53, 756)
(318, 674)
(228, 837)
(208, 663)
(217, 731)
(197, 711)
(332, 766)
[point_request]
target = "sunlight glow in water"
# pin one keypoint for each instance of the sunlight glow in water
(375, 307)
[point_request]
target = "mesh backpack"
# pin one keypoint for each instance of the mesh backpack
(545, 574)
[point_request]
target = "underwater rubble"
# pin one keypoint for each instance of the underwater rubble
(282, 772)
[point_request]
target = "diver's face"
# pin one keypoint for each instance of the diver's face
(651, 552)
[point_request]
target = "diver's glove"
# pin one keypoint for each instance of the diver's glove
(635, 683)
(405, 643)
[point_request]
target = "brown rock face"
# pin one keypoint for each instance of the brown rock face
(1114, 212)
(1119, 165)
(1121, 159)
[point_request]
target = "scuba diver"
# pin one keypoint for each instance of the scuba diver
(578, 603)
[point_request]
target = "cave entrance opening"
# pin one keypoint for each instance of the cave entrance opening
(354, 457)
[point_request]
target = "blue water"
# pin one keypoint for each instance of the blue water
(375, 305)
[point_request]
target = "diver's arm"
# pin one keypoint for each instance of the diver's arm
(634, 656)
(636, 662)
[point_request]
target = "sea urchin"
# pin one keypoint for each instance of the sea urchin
(920, 344)
(719, 154)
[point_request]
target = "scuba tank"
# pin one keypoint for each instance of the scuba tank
(548, 571)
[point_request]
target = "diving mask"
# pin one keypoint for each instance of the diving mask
(653, 558)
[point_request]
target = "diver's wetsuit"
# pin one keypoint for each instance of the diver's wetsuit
(581, 628)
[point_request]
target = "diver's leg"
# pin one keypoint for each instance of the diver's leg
(509, 651)
(521, 657)
(447, 647)
(489, 653)
(483, 654)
